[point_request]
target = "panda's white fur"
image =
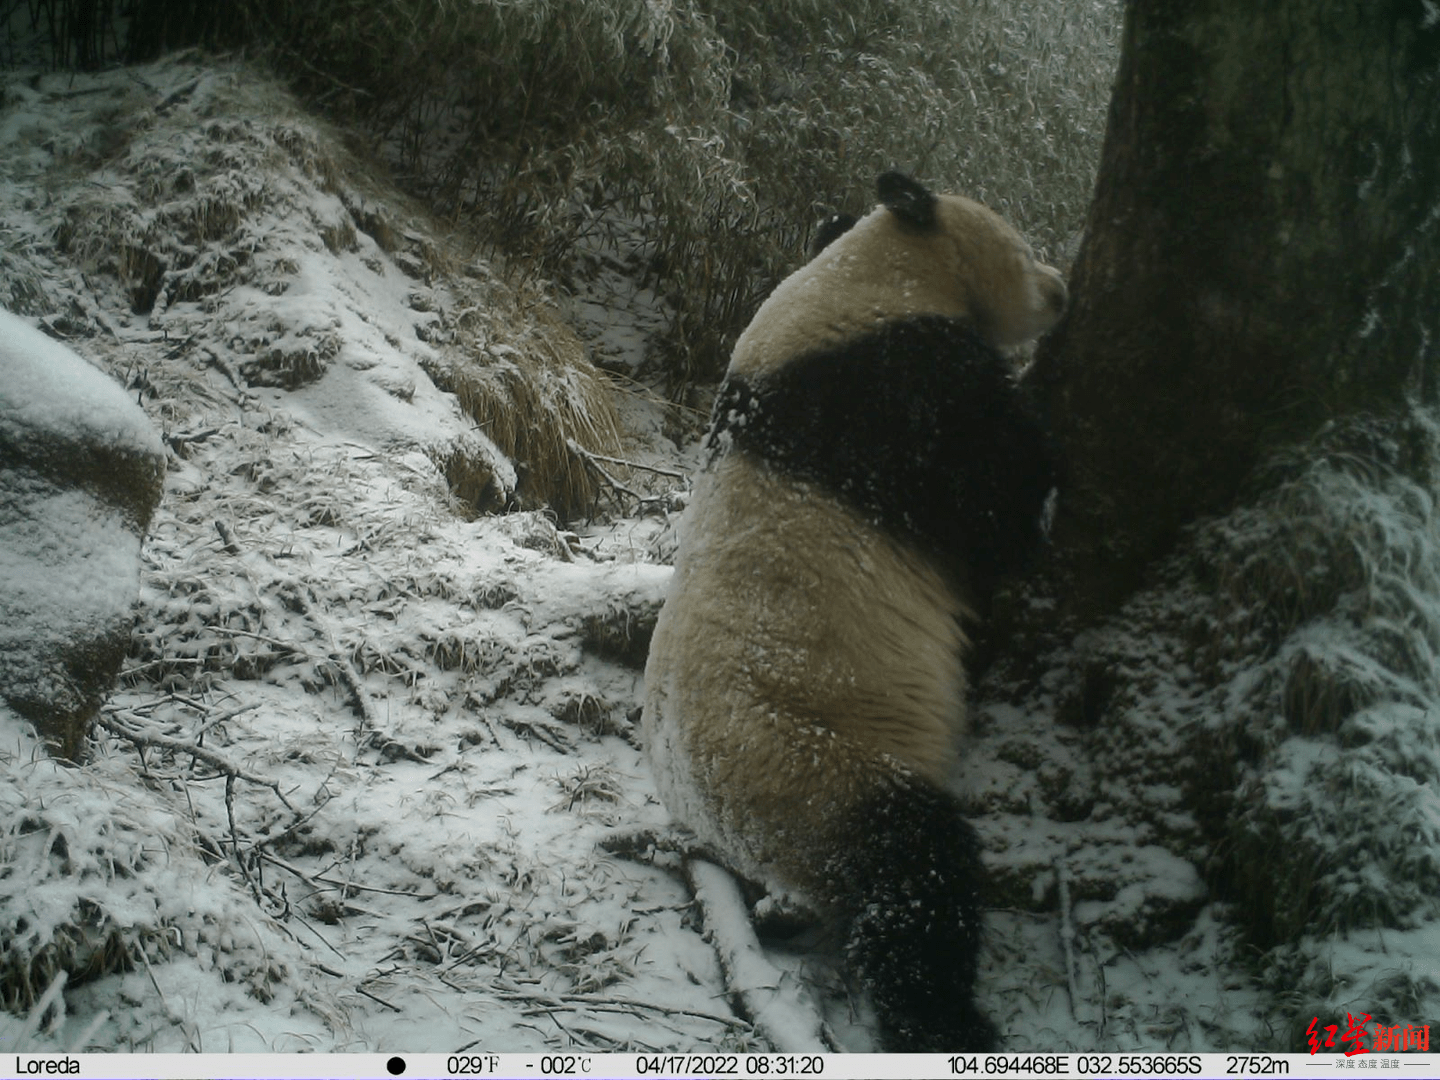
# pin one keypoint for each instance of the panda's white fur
(805, 694)
(775, 624)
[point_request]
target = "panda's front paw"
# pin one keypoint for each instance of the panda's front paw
(784, 915)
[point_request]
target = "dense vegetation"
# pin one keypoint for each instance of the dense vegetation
(723, 128)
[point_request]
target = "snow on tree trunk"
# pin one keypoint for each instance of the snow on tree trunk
(1260, 257)
(81, 470)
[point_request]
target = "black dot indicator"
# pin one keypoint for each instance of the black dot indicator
(395, 1066)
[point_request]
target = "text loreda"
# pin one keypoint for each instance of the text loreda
(35, 1066)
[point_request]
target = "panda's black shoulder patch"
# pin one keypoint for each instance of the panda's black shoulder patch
(920, 426)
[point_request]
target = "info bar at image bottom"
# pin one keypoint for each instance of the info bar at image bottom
(559, 1065)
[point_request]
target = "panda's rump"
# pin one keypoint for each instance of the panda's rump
(803, 661)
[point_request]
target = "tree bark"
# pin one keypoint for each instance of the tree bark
(1261, 256)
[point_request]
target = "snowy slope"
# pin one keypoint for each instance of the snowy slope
(352, 790)
(425, 736)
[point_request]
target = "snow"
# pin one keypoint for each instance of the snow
(441, 883)
(49, 390)
(430, 718)
(68, 562)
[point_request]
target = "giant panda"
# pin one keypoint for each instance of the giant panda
(872, 469)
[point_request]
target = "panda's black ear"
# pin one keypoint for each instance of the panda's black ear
(909, 200)
(829, 230)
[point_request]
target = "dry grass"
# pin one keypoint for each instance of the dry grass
(531, 397)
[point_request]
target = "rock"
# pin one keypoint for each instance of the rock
(81, 471)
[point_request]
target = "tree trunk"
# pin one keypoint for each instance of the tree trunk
(1245, 547)
(1261, 256)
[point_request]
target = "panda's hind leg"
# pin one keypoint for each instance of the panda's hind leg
(910, 897)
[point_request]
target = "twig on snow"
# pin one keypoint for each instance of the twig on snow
(224, 367)
(180, 442)
(381, 1001)
(311, 927)
(140, 948)
(368, 730)
(198, 734)
(240, 861)
(227, 537)
(258, 843)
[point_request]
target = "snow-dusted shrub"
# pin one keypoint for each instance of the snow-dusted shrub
(1336, 571)
(1267, 709)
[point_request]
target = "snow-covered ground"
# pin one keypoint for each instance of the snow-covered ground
(418, 726)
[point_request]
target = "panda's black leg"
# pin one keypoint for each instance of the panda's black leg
(911, 893)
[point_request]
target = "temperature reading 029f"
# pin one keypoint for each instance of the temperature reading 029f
(472, 1064)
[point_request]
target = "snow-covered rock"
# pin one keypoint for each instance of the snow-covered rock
(81, 470)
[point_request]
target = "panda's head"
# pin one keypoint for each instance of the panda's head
(917, 253)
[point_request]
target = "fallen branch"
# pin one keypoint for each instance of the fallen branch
(673, 473)
(783, 1016)
(593, 460)
(541, 999)
(343, 886)
(139, 736)
(1067, 932)
(644, 844)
